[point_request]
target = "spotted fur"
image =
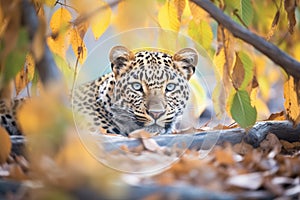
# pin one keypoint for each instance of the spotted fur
(148, 89)
(8, 115)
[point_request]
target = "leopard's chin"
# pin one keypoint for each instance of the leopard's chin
(154, 128)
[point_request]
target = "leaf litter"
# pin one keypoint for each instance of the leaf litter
(271, 170)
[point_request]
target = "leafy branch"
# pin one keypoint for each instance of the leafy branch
(288, 63)
(45, 64)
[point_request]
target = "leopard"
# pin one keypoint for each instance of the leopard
(8, 115)
(145, 90)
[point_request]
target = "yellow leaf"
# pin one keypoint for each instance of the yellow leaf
(197, 12)
(263, 111)
(59, 41)
(291, 96)
(50, 3)
(179, 5)
(197, 97)
(219, 100)
(201, 32)
(25, 75)
(219, 62)
(168, 18)
(129, 14)
(78, 46)
(5, 146)
(101, 20)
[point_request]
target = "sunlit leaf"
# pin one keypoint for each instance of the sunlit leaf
(25, 75)
(197, 97)
(64, 67)
(201, 32)
(59, 41)
(227, 43)
(241, 110)
(274, 25)
(179, 5)
(129, 14)
(197, 12)
(5, 146)
(263, 111)
(168, 17)
(219, 61)
(101, 20)
(219, 100)
(291, 96)
(50, 3)
(78, 46)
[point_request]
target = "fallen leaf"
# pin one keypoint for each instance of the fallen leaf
(247, 181)
(271, 142)
(277, 116)
(224, 156)
(141, 133)
(151, 145)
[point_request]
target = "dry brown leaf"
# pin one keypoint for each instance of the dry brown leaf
(140, 133)
(277, 116)
(242, 148)
(238, 72)
(17, 173)
(290, 8)
(271, 142)
(151, 145)
(5, 146)
(224, 156)
(248, 181)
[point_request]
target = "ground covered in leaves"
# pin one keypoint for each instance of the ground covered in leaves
(228, 172)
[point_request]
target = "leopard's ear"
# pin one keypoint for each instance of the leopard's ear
(186, 60)
(119, 57)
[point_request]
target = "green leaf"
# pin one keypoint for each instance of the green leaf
(246, 11)
(15, 60)
(242, 111)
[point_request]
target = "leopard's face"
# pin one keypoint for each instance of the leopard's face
(151, 88)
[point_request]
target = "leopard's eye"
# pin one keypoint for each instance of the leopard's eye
(170, 87)
(137, 86)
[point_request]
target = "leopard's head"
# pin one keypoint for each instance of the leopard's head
(151, 88)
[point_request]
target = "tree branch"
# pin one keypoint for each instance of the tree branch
(289, 64)
(46, 66)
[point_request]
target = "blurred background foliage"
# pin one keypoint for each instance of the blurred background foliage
(246, 81)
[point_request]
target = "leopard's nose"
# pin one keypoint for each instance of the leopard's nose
(156, 114)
